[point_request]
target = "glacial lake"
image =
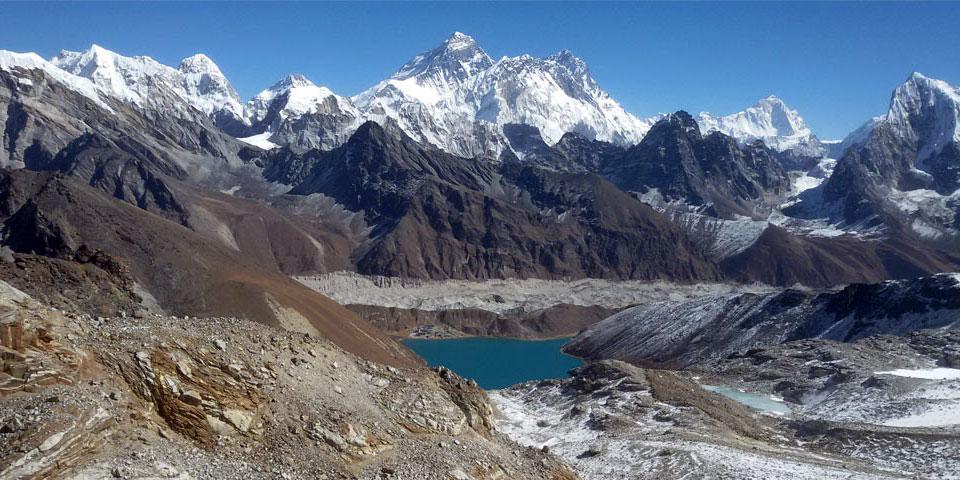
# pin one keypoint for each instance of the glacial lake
(497, 362)
(757, 401)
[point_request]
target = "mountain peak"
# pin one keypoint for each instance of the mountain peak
(918, 90)
(199, 63)
(94, 48)
(292, 81)
(566, 58)
(90, 59)
(458, 57)
(769, 120)
(772, 100)
(459, 41)
(926, 109)
(681, 118)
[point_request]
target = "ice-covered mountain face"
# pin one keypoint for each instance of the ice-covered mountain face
(902, 169)
(148, 84)
(457, 98)
(426, 99)
(770, 121)
(926, 111)
(300, 114)
(555, 94)
(293, 96)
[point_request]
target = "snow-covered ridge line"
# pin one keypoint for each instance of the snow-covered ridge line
(456, 97)
(31, 61)
(198, 81)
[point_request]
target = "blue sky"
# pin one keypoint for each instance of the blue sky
(836, 63)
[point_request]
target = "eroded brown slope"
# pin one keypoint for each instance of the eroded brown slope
(584, 228)
(187, 272)
(781, 258)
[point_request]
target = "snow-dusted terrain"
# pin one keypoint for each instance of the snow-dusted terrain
(616, 426)
(507, 295)
(688, 331)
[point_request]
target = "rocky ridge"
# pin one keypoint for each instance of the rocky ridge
(688, 332)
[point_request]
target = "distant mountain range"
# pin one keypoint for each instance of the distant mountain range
(460, 166)
(454, 97)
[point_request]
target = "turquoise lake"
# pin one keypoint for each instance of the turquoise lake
(757, 401)
(497, 362)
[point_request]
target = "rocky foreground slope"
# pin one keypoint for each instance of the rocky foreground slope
(173, 397)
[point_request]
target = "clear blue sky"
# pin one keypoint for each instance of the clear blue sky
(835, 63)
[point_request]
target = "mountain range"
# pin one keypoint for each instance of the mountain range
(456, 166)
(454, 97)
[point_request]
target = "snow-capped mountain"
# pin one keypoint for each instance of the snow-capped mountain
(457, 98)
(902, 168)
(927, 111)
(13, 61)
(771, 121)
(427, 98)
(146, 83)
(299, 113)
(922, 110)
(555, 94)
(299, 96)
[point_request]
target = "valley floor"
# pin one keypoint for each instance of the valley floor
(516, 308)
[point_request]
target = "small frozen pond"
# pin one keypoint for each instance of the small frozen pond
(757, 401)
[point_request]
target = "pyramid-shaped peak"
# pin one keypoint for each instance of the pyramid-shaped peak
(459, 40)
(199, 63)
(292, 81)
(772, 100)
(457, 58)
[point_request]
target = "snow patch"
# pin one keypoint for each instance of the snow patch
(261, 140)
(925, 373)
